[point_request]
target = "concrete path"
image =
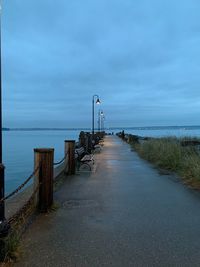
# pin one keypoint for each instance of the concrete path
(122, 214)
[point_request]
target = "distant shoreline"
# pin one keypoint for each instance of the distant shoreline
(188, 127)
(45, 129)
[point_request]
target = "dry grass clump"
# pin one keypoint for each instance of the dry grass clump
(169, 154)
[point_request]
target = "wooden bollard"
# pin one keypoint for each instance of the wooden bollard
(86, 142)
(44, 158)
(70, 151)
(82, 138)
(2, 188)
(4, 225)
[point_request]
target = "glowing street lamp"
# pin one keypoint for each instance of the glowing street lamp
(97, 102)
(100, 120)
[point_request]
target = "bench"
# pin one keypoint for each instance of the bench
(83, 157)
(97, 148)
(98, 144)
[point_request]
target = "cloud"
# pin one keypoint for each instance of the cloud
(139, 56)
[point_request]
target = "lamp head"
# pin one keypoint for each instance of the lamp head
(98, 101)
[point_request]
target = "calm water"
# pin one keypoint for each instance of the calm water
(18, 147)
(18, 155)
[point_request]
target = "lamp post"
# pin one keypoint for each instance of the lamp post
(0, 93)
(4, 225)
(2, 209)
(97, 102)
(100, 120)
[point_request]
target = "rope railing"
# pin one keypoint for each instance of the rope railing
(61, 161)
(20, 209)
(21, 186)
(23, 211)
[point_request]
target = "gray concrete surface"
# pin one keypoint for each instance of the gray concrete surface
(122, 214)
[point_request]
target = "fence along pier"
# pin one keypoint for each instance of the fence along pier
(26, 199)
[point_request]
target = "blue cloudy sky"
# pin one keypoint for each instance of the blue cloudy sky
(142, 57)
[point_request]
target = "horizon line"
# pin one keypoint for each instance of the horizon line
(87, 128)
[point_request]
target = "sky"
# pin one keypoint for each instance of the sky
(142, 57)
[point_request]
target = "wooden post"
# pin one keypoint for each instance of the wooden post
(4, 224)
(2, 188)
(67, 157)
(89, 140)
(70, 150)
(82, 138)
(86, 142)
(44, 158)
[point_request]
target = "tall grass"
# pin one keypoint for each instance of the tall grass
(169, 154)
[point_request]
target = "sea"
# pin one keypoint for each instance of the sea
(18, 146)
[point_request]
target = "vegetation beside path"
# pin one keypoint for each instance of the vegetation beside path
(179, 155)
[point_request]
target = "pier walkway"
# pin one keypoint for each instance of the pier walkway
(123, 213)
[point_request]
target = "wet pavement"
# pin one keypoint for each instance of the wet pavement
(123, 213)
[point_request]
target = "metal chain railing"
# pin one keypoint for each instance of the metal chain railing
(21, 186)
(61, 161)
